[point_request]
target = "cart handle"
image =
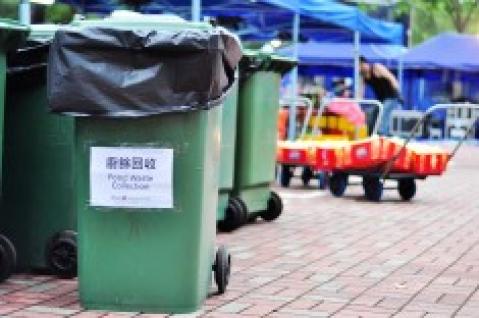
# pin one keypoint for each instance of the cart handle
(374, 102)
(425, 116)
(299, 101)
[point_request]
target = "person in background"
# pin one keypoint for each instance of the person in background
(341, 88)
(386, 88)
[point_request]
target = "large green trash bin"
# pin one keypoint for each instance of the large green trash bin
(150, 252)
(12, 34)
(38, 197)
(258, 108)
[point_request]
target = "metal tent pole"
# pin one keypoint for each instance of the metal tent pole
(24, 12)
(195, 10)
(294, 79)
(357, 78)
(401, 74)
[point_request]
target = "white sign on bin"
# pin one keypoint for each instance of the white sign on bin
(127, 177)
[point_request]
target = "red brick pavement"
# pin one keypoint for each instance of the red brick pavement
(329, 257)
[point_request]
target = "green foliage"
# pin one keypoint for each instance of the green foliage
(9, 9)
(59, 13)
(430, 17)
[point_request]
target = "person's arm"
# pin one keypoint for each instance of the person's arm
(381, 71)
(362, 88)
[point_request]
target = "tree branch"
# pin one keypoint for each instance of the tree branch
(470, 13)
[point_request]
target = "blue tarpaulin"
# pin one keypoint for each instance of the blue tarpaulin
(267, 19)
(348, 17)
(342, 54)
(446, 51)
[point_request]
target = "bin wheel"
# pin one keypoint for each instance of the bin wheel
(222, 269)
(275, 208)
(8, 258)
(286, 174)
(61, 254)
(307, 175)
(373, 188)
(323, 180)
(338, 184)
(407, 188)
(236, 215)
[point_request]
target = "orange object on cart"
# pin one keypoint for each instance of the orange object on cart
(299, 153)
(391, 147)
(283, 123)
(329, 156)
(375, 152)
(428, 160)
(344, 155)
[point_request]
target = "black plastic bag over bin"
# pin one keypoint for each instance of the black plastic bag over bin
(12, 34)
(97, 71)
(27, 65)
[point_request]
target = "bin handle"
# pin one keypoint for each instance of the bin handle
(40, 45)
(20, 69)
(427, 114)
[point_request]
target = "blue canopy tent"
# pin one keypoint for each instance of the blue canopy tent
(432, 67)
(446, 51)
(332, 59)
(342, 54)
(348, 17)
(340, 15)
(307, 13)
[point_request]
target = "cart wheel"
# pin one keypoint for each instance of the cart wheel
(8, 258)
(275, 208)
(323, 180)
(407, 188)
(236, 214)
(373, 188)
(61, 254)
(338, 184)
(286, 175)
(222, 269)
(306, 175)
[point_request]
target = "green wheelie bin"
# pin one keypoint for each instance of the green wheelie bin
(38, 198)
(12, 34)
(258, 108)
(147, 98)
(229, 207)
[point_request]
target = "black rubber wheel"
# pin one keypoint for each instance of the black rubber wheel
(248, 218)
(306, 175)
(286, 175)
(236, 215)
(222, 269)
(407, 188)
(338, 184)
(373, 188)
(61, 254)
(275, 208)
(8, 258)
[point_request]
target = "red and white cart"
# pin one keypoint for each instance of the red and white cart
(384, 158)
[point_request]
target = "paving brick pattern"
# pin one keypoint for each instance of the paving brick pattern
(329, 257)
